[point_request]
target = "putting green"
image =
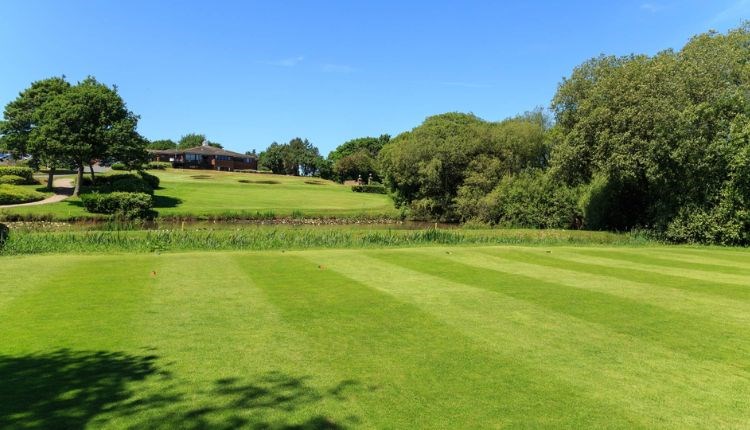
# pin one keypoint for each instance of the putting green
(431, 337)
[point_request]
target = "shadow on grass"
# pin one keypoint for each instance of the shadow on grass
(161, 202)
(75, 389)
(66, 389)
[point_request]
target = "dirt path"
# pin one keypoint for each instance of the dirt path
(63, 189)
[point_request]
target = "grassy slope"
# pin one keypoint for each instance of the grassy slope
(431, 337)
(201, 192)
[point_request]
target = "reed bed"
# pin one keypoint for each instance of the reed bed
(24, 241)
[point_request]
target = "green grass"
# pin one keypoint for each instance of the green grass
(430, 337)
(206, 194)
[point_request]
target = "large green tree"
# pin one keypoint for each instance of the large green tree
(87, 122)
(162, 144)
(657, 137)
(357, 157)
(298, 157)
(425, 167)
(191, 140)
(21, 117)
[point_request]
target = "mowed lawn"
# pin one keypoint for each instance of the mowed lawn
(461, 337)
(210, 193)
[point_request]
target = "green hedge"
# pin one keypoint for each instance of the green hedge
(24, 172)
(12, 180)
(128, 185)
(371, 188)
(120, 204)
(119, 166)
(12, 195)
(140, 182)
(157, 165)
(151, 180)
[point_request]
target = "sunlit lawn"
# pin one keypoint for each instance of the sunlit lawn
(204, 193)
(433, 337)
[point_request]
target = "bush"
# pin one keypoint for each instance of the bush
(371, 188)
(120, 204)
(12, 195)
(141, 182)
(158, 165)
(529, 199)
(132, 184)
(151, 180)
(12, 180)
(119, 166)
(24, 172)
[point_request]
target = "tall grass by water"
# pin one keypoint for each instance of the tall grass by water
(24, 241)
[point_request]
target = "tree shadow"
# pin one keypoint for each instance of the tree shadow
(66, 389)
(75, 389)
(267, 402)
(161, 202)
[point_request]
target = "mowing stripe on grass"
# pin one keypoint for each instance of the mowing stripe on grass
(662, 387)
(698, 304)
(557, 259)
(221, 341)
(679, 254)
(708, 264)
(656, 260)
(607, 258)
(23, 274)
(70, 309)
(418, 360)
(683, 333)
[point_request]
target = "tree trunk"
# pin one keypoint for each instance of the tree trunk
(91, 168)
(79, 179)
(50, 177)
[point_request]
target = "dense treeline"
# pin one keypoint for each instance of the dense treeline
(653, 142)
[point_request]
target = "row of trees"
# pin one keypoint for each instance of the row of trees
(190, 140)
(353, 159)
(64, 125)
(655, 142)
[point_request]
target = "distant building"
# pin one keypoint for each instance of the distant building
(205, 157)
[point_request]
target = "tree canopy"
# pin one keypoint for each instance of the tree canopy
(58, 123)
(162, 144)
(191, 140)
(298, 157)
(357, 157)
(425, 167)
(662, 140)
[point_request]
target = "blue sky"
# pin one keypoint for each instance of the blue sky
(248, 73)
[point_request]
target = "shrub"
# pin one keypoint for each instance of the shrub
(121, 204)
(12, 180)
(141, 182)
(158, 165)
(132, 184)
(24, 172)
(11, 195)
(369, 188)
(151, 180)
(529, 199)
(119, 166)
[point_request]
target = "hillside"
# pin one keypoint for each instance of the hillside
(203, 193)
